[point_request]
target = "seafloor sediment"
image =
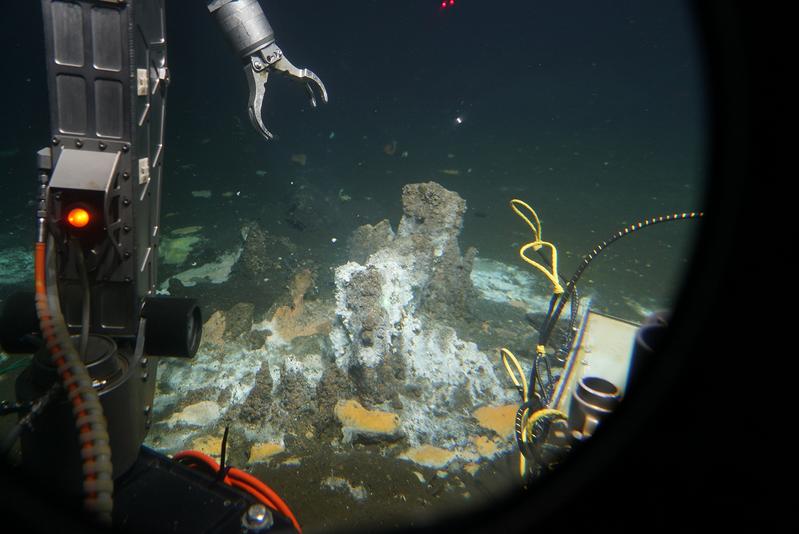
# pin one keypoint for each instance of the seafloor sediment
(399, 364)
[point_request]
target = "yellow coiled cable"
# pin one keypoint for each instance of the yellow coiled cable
(527, 421)
(536, 244)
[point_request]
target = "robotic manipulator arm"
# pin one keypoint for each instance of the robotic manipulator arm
(249, 33)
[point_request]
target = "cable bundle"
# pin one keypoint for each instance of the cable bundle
(526, 417)
(98, 482)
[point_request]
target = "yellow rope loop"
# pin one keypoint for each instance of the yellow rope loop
(506, 355)
(537, 244)
(536, 228)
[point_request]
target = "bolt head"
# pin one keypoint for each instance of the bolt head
(256, 512)
(258, 517)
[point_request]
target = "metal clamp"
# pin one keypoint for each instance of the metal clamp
(257, 72)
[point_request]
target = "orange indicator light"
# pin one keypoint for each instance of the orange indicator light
(78, 217)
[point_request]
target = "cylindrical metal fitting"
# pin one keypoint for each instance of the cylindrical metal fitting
(257, 517)
(593, 399)
(244, 24)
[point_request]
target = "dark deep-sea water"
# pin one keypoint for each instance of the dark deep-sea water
(591, 112)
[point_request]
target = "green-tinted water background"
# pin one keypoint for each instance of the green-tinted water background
(590, 111)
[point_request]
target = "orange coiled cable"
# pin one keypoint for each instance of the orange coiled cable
(48, 332)
(247, 482)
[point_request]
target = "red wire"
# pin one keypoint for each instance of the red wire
(247, 482)
(263, 488)
(230, 481)
(252, 491)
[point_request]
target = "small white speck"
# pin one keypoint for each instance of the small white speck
(333, 240)
(238, 193)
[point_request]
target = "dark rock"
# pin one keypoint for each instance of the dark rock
(238, 320)
(413, 390)
(432, 220)
(256, 406)
(396, 403)
(368, 239)
(314, 344)
(255, 339)
(265, 268)
(294, 394)
(334, 386)
(265, 256)
(432, 205)
(365, 289)
(176, 287)
(366, 337)
(376, 385)
(461, 399)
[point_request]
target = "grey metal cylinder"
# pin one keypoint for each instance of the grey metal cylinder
(593, 399)
(244, 24)
(51, 453)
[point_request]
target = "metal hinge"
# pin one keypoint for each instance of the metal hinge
(142, 82)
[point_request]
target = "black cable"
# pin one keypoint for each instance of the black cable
(548, 316)
(223, 469)
(549, 321)
(77, 250)
(535, 375)
(37, 407)
(570, 287)
(547, 390)
(519, 428)
(9, 407)
(571, 331)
